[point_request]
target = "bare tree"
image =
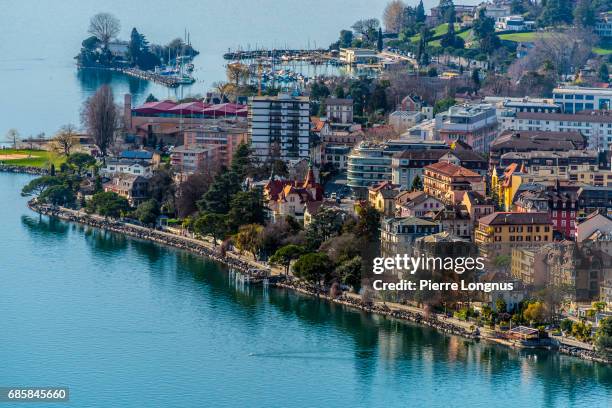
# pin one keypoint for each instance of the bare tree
(394, 16)
(497, 85)
(566, 51)
(101, 117)
(13, 136)
(367, 28)
(104, 26)
(237, 74)
(65, 139)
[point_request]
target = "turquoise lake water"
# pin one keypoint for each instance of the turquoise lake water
(126, 323)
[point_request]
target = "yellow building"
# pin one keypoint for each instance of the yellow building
(382, 197)
(505, 185)
(501, 231)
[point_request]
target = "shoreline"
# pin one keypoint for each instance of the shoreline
(11, 168)
(257, 272)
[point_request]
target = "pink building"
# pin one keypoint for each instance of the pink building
(191, 159)
(227, 136)
(416, 204)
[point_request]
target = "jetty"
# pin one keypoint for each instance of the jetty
(171, 81)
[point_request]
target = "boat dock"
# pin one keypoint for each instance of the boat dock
(171, 81)
(281, 55)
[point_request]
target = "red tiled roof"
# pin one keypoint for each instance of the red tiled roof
(449, 169)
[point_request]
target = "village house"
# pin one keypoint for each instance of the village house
(454, 219)
(499, 232)
(466, 158)
(411, 103)
(339, 110)
(398, 234)
(382, 197)
(477, 205)
(560, 201)
(314, 207)
(113, 167)
(290, 198)
(448, 182)
(409, 164)
(132, 187)
(416, 204)
(594, 225)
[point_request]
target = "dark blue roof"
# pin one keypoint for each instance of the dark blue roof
(136, 154)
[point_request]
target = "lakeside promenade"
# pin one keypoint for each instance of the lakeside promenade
(257, 271)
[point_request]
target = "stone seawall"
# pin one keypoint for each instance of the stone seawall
(197, 247)
(36, 171)
(254, 271)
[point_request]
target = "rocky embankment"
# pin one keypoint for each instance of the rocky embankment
(205, 249)
(8, 168)
(357, 303)
(583, 354)
(187, 244)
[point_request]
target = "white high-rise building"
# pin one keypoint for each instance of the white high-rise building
(279, 127)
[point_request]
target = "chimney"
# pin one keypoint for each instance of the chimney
(127, 111)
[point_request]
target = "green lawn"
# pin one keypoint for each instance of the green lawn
(521, 37)
(33, 158)
(602, 51)
(465, 34)
(439, 30)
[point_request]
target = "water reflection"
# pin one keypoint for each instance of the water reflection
(44, 227)
(92, 79)
(369, 345)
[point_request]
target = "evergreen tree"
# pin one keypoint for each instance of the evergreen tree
(517, 7)
(603, 73)
(420, 12)
(346, 38)
(444, 8)
(339, 92)
(449, 39)
(211, 224)
(241, 161)
(417, 184)
(379, 42)
(378, 100)
(246, 207)
(584, 14)
(476, 78)
(135, 46)
(217, 198)
(555, 12)
(484, 29)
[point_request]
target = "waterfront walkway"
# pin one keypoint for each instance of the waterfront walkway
(253, 268)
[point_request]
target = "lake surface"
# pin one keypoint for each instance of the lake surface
(41, 90)
(126, 323)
